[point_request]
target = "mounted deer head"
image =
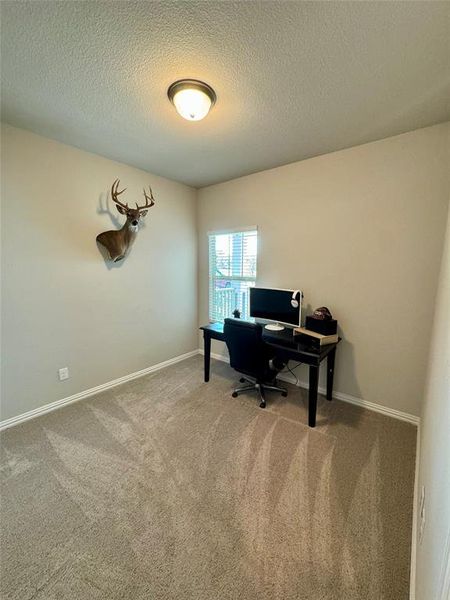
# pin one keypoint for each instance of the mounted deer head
(117, 242)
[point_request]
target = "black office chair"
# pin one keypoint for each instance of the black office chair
(250, 356)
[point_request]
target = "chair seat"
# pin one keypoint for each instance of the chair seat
(251, 357)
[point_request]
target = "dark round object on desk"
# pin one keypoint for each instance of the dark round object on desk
(262, 405)
(322, 313)
(234, 394)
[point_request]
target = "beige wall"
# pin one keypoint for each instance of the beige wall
(361, 231)
(61, 305)
(433, 553)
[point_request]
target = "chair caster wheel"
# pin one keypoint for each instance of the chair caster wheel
(242, 380)
(284, 394)
(234, 394)
(262, 405)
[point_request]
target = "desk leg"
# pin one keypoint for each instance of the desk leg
(312, 394)
(207, 356)
(330, 373)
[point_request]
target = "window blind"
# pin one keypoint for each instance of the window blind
(232, 271)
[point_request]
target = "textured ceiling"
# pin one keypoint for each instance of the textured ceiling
(293, 79)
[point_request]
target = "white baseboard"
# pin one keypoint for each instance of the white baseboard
(445, 577)
(391, 412)
(92, 391)
(379, 408)
(412, 573)
(216, 356)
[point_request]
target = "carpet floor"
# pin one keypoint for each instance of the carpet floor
(169, 488)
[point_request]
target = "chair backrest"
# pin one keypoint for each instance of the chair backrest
(248, 352)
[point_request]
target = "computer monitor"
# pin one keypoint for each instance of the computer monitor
(281, 306)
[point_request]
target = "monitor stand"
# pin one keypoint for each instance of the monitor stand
(274, 327)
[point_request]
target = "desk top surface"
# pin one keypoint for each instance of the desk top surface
(280, 339)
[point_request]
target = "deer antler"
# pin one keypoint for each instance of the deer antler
(147, 199)
(115, 192)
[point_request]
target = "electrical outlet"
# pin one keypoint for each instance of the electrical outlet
(63, 373)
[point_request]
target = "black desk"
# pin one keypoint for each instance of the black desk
(288, 348)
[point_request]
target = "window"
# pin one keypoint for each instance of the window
(232, 271)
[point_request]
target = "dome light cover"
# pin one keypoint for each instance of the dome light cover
(192, 99)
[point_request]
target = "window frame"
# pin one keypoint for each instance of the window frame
(238, 278)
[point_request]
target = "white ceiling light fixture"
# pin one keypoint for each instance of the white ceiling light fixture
(192, 99)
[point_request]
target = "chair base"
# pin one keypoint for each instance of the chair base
(253, 384)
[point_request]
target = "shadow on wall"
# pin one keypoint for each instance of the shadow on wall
(104, 208)
(345, 356)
